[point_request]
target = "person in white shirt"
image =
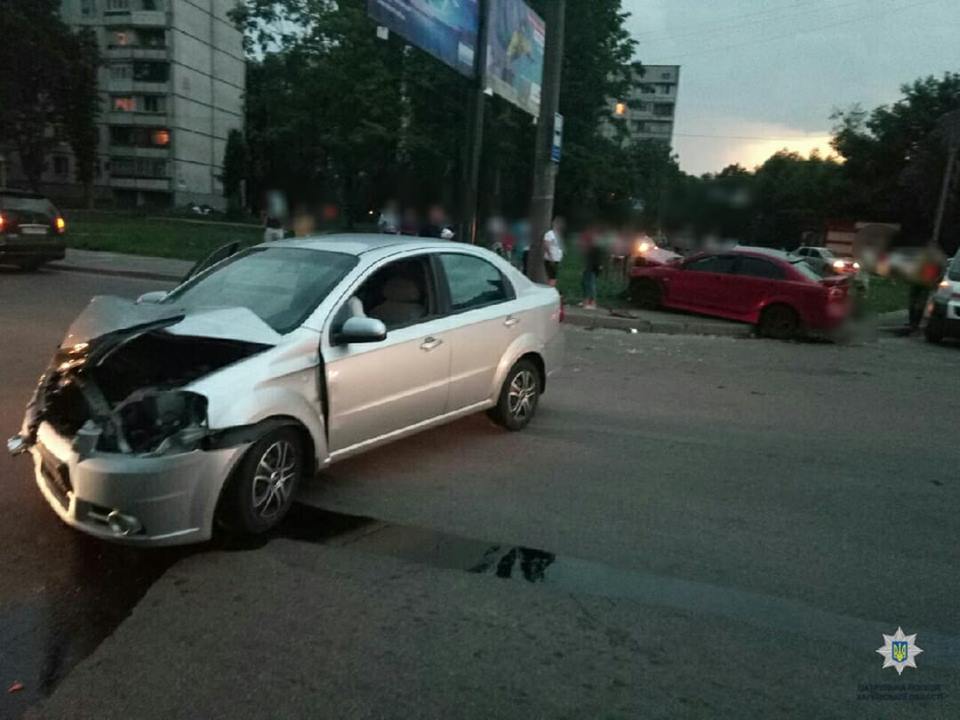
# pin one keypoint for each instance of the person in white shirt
(553, 249)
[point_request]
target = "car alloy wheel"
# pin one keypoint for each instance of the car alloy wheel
(274, 479)
(522, 395)
(262, 487)
(779, 322)
(519, 396)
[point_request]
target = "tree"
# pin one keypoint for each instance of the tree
(82, 106)
(48, 87)
(234, 169)
(894, 154)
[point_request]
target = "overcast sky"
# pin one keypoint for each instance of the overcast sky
(776, 68)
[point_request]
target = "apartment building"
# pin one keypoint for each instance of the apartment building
(171, 88)
(648, 112)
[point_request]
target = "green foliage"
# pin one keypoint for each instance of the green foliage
(234, 168)
(895, 155)
(47, 87)
(334, 113)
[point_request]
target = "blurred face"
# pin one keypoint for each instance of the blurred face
(559, 225)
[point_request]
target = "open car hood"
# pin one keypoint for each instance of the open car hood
(107, 314)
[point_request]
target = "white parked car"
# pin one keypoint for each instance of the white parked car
(825, 262)
(943, 318)
(208, 404)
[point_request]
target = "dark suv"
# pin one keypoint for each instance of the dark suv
(31, 229)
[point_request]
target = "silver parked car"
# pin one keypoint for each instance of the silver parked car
(208, 404)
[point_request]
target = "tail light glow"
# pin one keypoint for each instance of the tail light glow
(61, 224)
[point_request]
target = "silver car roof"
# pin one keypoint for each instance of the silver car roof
(359, 243)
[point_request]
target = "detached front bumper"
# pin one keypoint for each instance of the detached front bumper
(165, 500)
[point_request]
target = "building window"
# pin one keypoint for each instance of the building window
(120, 38)
(146, 71)
(128, 167)
(665, 89)
(121, 71)
(154, 103)
(663, 110)
(124, 103)
(118, 5)
(88, 8)
(666, 76)
(648, 89)
(143, 137)
(152, 38)
(150, 5)
(61, 165)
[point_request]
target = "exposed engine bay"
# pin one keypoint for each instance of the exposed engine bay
(121, 392)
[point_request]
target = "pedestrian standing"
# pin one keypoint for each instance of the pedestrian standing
(553, 249)
(593, 257)
(926, 274)
(274, 216)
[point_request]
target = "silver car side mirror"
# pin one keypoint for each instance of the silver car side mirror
(156, 296)
(360, 330)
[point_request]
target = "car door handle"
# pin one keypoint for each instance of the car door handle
(431, 343)
(511, 321)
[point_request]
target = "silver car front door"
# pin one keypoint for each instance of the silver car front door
(375, 389)
(486, 321)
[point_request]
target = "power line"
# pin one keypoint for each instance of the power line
(755, 25)
(756, 13)
(786, 138)
(829, 26)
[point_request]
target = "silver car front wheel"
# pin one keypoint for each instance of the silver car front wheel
(261, 489)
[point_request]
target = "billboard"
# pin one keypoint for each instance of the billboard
(447, 29)
(515, 41)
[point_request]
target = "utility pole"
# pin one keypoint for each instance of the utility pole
(544, 169)
(474, 135)
(951, 126)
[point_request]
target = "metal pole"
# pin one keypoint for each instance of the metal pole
(945, 192)
(474, 140)
(544, 169)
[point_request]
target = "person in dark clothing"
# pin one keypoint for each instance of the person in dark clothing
(593, 256)
(929, 270)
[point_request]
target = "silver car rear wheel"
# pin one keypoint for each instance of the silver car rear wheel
(519, 396)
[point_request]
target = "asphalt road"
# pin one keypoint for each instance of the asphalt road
(767, 509)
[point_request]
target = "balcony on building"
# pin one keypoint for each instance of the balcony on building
(130, 43)
(137, 13)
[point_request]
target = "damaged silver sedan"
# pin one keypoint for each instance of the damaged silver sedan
(159, 420)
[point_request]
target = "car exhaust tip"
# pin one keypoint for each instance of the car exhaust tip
(17, 445)
(123, 525)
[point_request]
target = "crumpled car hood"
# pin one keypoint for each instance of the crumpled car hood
(107, 314)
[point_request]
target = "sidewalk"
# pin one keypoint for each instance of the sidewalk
(645, 321)
(135, 266)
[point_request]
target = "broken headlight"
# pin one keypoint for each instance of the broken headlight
(153, 421)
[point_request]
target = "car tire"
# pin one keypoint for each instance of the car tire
(933, 332)
(779, 322)
(519, 396)
(261, 489)
(646, 294)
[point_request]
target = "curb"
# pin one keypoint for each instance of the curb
(612, 322)
(133, 274)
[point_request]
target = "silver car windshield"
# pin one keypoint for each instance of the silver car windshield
(953, 273)
(281, 285)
